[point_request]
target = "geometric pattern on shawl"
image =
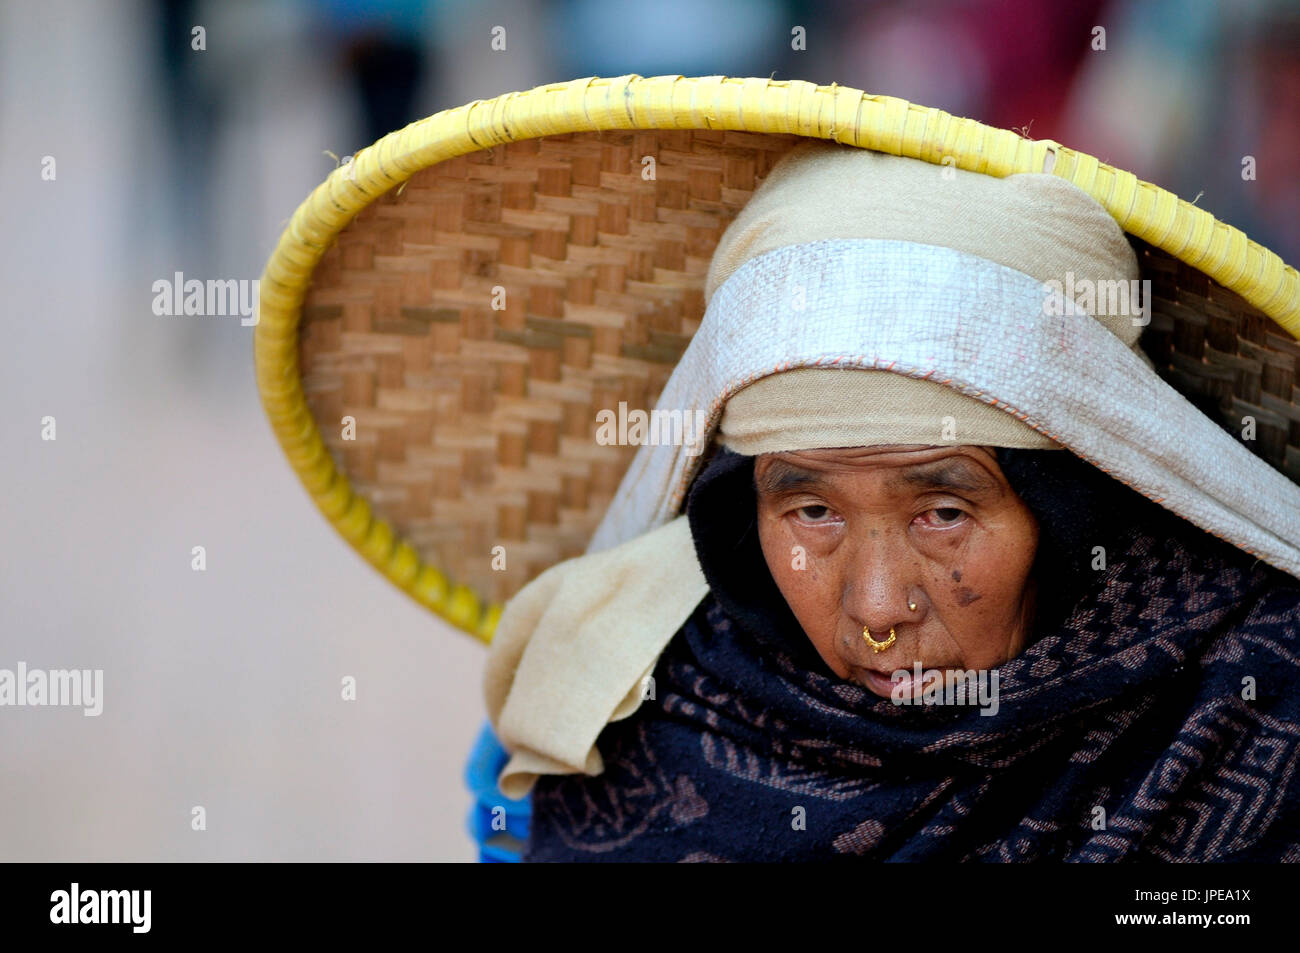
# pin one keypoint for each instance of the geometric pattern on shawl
(1135, 705)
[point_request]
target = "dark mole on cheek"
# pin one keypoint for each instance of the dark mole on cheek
(956, 575)
(965, 596)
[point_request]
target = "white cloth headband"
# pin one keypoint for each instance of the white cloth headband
(978, 327)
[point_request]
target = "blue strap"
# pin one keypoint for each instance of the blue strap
(498, 824)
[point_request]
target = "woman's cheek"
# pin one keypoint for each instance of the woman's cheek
(966, 570)
(988, 586)
(800, 566)
(800, 576)
(784, 559)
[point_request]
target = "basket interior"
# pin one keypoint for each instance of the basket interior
(471, 325)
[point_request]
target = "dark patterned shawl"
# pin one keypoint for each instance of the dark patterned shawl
(1155, 713)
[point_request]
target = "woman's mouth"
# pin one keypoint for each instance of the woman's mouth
(901, 684)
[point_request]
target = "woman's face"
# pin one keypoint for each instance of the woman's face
(853, 535)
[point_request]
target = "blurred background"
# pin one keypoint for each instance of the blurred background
(222, 687)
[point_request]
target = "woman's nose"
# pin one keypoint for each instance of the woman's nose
(881, 584)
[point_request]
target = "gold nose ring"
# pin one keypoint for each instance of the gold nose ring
(911, 606)
(879, 646)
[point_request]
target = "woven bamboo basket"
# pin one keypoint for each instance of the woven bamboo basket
(472, 289)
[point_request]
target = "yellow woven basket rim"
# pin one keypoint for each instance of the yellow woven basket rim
(839, 113)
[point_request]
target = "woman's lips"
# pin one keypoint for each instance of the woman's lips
(887, 687)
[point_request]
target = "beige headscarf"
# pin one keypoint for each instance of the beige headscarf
(573, 647)
(1037, 224)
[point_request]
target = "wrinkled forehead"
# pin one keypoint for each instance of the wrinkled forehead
(964, 469)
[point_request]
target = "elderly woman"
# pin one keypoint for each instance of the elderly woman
(947, 570)
(915, 626)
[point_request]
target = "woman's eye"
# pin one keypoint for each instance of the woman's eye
(813, 513)
(946, 515)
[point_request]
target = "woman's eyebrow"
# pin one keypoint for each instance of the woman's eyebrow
(957, 475)
(950, 475)
(782, 477)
